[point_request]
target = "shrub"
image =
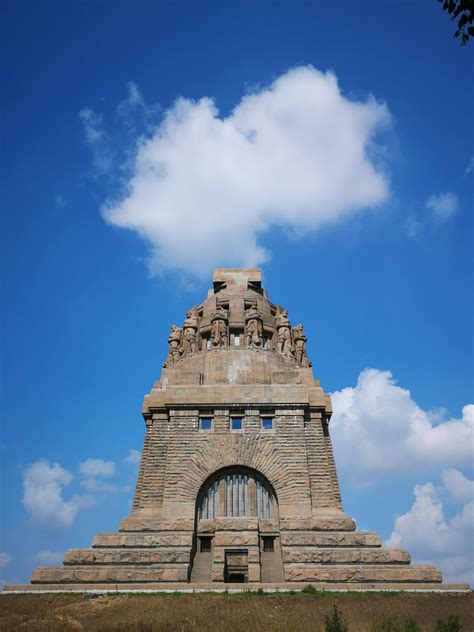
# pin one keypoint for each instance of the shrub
(452, 625)
(309, 590)
(334, 622)
(386, 625)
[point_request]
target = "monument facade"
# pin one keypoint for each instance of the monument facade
(237, 481)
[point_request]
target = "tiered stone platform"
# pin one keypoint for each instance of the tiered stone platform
(328, 559)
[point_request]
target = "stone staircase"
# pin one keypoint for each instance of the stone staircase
(201, 572)
(272, 567)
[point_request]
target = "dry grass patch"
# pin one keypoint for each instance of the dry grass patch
(215, 612)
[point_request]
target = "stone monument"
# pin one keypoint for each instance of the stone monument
(237, 481)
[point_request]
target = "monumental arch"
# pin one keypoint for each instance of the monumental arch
(237, 481)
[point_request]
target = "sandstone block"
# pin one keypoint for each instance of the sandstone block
(319, 555)
(152, 523)
(334, 538)
(236, 538)
(116, 574)
(361, 573)
(126, 556)
(322, 523)
(136, 540)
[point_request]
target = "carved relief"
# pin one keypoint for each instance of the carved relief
(189, 338)
(299, 339)
(219, 328)
(174, 341)
(253, 327)
(284, 337)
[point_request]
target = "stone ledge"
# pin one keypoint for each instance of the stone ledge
(164, 587)
(236, 538)
(361, 573)
(319, 523)
(153, 523)
(127, 556)
(113, 574)
(331, 538)
(341, 555)
(135, 540)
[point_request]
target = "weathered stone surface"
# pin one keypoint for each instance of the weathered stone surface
(136, 540)
(107, 556)
(360, 573)
(210, 586)
(236, 538)
(328, 538)
(92, 574)
(345, 555)
(319, 523)
(153, 523)
(253, 554)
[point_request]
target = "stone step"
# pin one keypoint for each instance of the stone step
(164, 587)
(341, 555)
(271, 567)
(136, 540)
(318, 523)
(124, 555)
(361, 573)
(202, 568)
(330, 538)
(112, 574)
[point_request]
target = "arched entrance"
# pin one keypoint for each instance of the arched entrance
(237, 529)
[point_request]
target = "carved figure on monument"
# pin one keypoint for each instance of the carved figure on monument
(253, 327)
(284, 338)
(299, 339)
(219, 327)
(174, 341)
(190, 328)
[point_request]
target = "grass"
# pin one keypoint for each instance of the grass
(230, 612)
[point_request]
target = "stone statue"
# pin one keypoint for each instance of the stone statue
(190, 327)
(174, 341)
(299, 339)
(284, 338)
(253, 327)
(219, 327)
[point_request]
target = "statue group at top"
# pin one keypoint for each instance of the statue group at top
(288, 341)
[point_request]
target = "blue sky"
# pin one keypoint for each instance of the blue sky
(382, 279)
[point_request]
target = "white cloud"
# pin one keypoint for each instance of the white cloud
(134, 104)
(377, 427)
(443, 206)
(5, 559)
(470, 167)
(457, 486)
(96, 138)
(431, 538)
(97, 467)
(60, 202)
(43, 486)
(133, 457)
(413, 226)
(298, 154)
(49, 557)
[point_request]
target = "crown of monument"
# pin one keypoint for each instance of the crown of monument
(237, 315)
(237, 480)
